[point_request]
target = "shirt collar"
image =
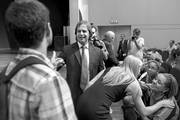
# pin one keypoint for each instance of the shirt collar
(86, 45)
(25, 52)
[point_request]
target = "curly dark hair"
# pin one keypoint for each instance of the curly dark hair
(27, 21)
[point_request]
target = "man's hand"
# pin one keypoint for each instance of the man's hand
(57, 62)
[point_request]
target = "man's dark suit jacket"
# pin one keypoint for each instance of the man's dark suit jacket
(72, 58)
(112, 60)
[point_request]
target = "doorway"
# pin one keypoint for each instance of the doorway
(118, 30)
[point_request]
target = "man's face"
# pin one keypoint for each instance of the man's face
(82, 34)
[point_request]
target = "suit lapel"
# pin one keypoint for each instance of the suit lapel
(77, 52)
(91, 55)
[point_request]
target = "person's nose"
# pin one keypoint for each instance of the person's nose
(81, 32)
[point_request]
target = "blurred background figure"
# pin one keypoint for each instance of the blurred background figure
(108, 40)
(122, 48)
(137, 44)
(96, 41)
(172, 45)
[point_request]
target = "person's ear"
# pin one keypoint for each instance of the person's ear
(49, 33)
(48, 29)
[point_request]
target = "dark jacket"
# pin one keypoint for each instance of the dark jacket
(112, 60)
(72, 58)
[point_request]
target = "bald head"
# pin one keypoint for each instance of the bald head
(109, 36)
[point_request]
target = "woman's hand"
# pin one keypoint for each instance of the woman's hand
(167, 103)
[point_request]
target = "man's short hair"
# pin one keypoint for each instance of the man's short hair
(27, 20)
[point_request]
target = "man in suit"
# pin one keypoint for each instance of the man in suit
(72, 55)
(121, 53)
(108, 41)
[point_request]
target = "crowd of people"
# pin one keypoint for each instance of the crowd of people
(145, 80)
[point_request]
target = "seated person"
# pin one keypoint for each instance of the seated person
(164, 86)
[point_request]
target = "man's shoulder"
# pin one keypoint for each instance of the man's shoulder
(31, 77)
(95, 49)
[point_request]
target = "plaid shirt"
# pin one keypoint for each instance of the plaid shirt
(38, 92)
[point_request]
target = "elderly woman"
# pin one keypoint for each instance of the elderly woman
(112, 86)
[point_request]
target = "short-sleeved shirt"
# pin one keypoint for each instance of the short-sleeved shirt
(134, 50)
